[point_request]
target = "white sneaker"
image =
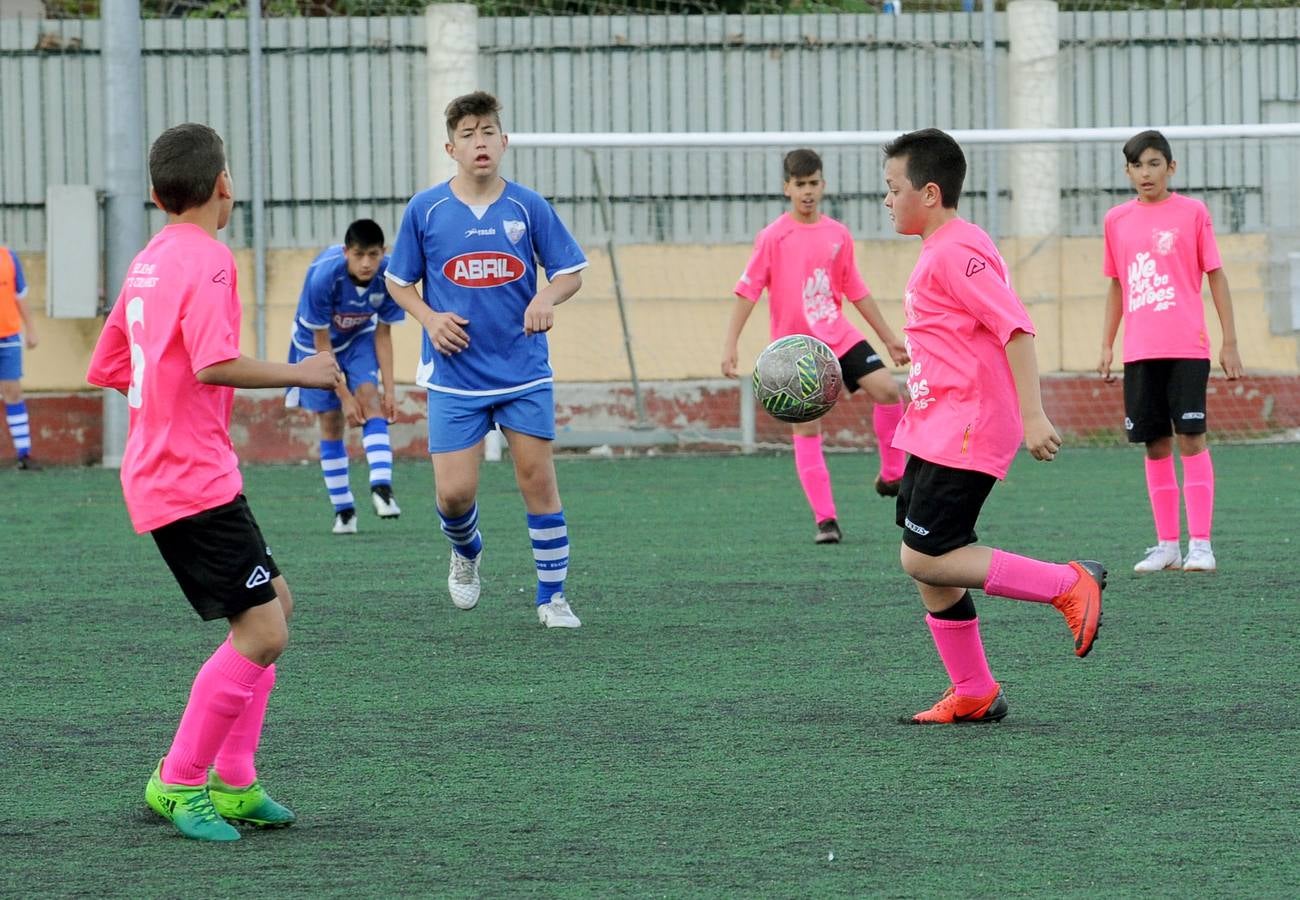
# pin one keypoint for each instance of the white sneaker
(381, 495)
(462, 581)
(1200, 558)
(557, 614)
(1164, 555)
(345, 521)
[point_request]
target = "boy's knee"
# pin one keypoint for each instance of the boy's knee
(882, 388)
(918, 566)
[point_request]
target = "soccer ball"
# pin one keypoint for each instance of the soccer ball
(797, 378)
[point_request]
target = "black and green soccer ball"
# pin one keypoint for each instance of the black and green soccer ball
(797, 378)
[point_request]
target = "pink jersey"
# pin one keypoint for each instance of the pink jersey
(1160, 252)
(961, 311)
(808, 270)
(178, 313)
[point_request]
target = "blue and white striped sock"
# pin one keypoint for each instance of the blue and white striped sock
(550, 537)
(19, 429)
(463, 532)
(379, 452)
(334, 466)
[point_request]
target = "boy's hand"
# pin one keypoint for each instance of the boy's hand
(30, 339)
(1041, 437)
(388, 407)
(353, 414)
(447, 332)
(1230, 359)
(729, 355)
(1103, 367)
(320, 370)
(539, 316)
(897, 351)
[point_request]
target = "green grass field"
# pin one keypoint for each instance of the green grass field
(725, 723)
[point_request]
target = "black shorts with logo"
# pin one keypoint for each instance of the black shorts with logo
(1163, 396)
(220, 559)
(857, 361)
(938, 506)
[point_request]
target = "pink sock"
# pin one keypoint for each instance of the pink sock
(1022, 578)
(221, 691)
(1162, 488)
(884, 421)
(1198, 494)
(235, 758)
(814, 476)
(962, 652)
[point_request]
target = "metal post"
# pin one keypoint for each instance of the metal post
(993, 187)
(258, 161)
(124, 181)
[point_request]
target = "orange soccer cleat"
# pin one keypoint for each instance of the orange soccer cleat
(1081, 604)
(953, 709)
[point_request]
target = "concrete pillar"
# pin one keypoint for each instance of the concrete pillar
(1035, 48)
(453, 71)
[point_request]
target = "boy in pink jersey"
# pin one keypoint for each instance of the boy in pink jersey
(1157, 247)
(975, 394)
(171, 345)
(805, 261)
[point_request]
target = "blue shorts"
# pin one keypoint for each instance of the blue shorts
(359, 365)
(457, 422)
(11, 359)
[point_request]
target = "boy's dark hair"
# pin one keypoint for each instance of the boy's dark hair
(184, 164)
(364, 234)
(932, 156)
(480, 104)
(801, 164)
(1144, 141)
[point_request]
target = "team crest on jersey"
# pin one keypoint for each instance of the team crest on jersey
(483, 269)
(514, 229)
(1164, 240)
(376, 299)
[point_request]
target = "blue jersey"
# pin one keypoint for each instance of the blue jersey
(483, 267)
(330, 299)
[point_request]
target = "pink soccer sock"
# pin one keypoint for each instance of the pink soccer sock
(1162, 488)
(1022, 578)
(962, 652)
(810, 463)
(234, 761)
(221, 692)
(1198, 494)
(884, 421)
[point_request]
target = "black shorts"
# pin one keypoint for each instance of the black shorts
(220, 559)
(938, 506)
(857, 361)
(1163, 396)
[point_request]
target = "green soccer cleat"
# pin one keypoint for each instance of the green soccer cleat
(250, 805)
(189, 808)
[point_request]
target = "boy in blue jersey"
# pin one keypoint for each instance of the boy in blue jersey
(475, 242)
(345, 309)
(16, 330)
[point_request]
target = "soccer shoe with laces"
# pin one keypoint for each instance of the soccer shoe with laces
(463, 581)
(557, 614)
(1081, 604)
(1164, 555)
(27, 464)
(887, 488)
(345, 521)
(381, 495)
(250, 805)
(954, 709)
(1200, 558)
(828, 532)
(189, 808)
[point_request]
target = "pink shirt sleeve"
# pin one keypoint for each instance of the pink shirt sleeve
(850, 279)
(1108, 266)
(1206, 245)
(110, 364)
(210, 325)
(981, 285)
(757, 272)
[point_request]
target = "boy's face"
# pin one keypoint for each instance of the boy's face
(363, 262)
(908, 207)
(477, 145)
(1150, 175)
(805, 193)
(226, 191)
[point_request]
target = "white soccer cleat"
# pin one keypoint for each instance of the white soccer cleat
(1200, 558)
(1164, 555)
(381, 495)
(463, 581)
(345, 521)
(557, 614)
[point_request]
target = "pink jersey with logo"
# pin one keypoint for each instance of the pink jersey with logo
(961, 311)
(808, 270)
(178, 313)
(1160, 253)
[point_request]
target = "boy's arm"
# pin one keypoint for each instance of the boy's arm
(319, 371)
(740, 313)
(445, 330)
(384, 353)
(1229, 356)
(540, 313)
(871, 312)
(29, 326)
(1110, 327)
(1040, 436)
